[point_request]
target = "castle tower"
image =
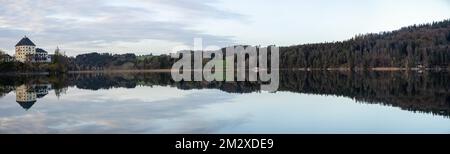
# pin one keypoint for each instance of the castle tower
(24, 49)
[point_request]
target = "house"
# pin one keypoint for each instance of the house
(5, 57)
(41, 56)
(26, 51)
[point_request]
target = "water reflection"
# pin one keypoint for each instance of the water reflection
(27, 95)
(152, 102)
(412, 91)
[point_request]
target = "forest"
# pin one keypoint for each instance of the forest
(425, 45)
(416, 46)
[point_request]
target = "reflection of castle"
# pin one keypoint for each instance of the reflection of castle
(27, 95)
(42, 90)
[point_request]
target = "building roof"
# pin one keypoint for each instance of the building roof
(41, 95)
(25, 41)
(26, 105)
(41, 50)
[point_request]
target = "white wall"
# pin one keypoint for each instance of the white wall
(23, 51)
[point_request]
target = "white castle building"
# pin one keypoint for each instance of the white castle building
(26, 51)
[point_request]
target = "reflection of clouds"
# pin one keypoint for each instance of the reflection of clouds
(27, 123)
(155, 93)
(162, 110)
(202, 126)
(179, 114)
(5, 102)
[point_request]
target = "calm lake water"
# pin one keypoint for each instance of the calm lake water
(307, 102)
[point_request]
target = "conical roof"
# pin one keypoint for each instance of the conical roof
(26, 105)
(25, 41)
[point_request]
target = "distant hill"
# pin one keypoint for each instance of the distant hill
(426, 45)
(105, 61)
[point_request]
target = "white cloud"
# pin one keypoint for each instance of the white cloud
(100, 25)
(81, 26)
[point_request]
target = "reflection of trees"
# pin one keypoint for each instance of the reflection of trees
(99, 81)
(427, 92)
(422, 92)
(5, 90)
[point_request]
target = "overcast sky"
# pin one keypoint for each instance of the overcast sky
(157, 26)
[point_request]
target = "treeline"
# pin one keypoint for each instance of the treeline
(105, 61)
(424, 45)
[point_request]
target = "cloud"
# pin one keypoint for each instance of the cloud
(157, 26)
(81, 25)
(104, 113)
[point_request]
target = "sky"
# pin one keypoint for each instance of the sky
(159, 26)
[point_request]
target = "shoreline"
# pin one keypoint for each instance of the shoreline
(376, 69)
(23, 73)
(122, 71)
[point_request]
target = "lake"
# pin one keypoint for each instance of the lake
(306, 102)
